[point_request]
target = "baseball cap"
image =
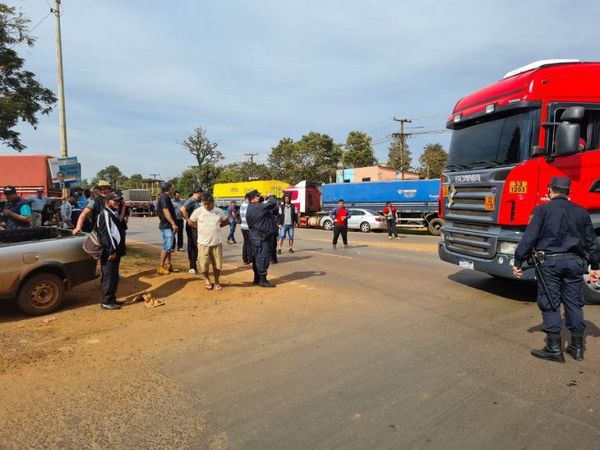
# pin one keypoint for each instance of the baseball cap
(116, 195)
(197, 190)
(166, 185)
(9, 190)
(561, 182)
(39, 190)
(253, 193)
(103, 184)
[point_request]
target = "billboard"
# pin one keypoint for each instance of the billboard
(65, 171)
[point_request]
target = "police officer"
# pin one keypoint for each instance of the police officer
(260, 221)
(563, 231)
(17, 213)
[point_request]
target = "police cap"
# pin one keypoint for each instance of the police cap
(561, 182)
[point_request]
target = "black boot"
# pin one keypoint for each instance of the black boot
(265, 283)
(553, 349)
(575, 347)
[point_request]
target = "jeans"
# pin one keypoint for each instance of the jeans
(232, 225)
(167, 238)
(36, 219)
(286, 230)
(340, 229)
(192, 246)
(391, 225)
(247, 247)
(179, 236)
(110, 279)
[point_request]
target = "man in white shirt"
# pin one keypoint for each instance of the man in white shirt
(209, 221)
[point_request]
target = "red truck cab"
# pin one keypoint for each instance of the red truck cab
(508, 140)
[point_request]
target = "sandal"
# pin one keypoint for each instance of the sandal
(218, 287)
(208, 286)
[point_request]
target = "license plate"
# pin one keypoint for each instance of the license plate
(518, 187)
(466, 264)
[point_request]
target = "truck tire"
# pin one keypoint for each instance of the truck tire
(40, 294)
(435, 226)
(328, 225)
(591, 292)
(365, 227)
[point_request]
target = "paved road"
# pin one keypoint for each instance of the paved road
(404, 351)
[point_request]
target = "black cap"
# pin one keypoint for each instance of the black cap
(9, 190)
(166, 186)
(197, 190)
(116, 195)
(340, 200)
(253, 193)
(561, 182)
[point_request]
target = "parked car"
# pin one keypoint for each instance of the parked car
(37, 266)
(364, 220)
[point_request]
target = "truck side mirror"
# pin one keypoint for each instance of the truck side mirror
(572, 114)
(567, 139)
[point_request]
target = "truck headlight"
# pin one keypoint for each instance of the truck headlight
(508, 248)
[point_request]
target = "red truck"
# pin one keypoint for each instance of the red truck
(27, 173)
(508, 140)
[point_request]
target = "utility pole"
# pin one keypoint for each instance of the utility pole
(402, 136)
(155, 180)
(64, 152)
(251, 156)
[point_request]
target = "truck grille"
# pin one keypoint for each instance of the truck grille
(469, 239)
(469, 202)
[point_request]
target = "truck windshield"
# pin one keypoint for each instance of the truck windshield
(488, 143)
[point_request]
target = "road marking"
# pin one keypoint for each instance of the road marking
(327, 254)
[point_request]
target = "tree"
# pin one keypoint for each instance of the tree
(359, 151)
(207, 156)
(112, 174)
(135, 181)
(244, 171)
(187, 181)
(22, 97)
(399, 155)
(281, 159)
(433, 160)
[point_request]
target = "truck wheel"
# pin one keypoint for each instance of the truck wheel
(365, 227)
(328, 225)
(41, 294)
(435, 225)
(591, 292)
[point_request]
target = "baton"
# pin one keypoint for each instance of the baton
(540, 277)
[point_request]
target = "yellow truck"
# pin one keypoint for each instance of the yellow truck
(226, 192)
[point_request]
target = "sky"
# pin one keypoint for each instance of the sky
(141, 75)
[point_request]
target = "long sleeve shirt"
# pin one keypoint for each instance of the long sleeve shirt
(260, 215)
(560, 226)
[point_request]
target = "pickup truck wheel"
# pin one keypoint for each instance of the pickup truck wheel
(435, 225)
(41, 294)
(365, 227)
(328, 225)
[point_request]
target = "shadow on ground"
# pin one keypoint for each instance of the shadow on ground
(523, 291)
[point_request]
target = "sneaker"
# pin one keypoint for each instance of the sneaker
(291, 250)
(193, 271)
(162, 271)
(110, 306)
(390, 237)
(334, 247)
(279, 251)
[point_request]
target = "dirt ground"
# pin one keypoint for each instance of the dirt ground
(92, 363)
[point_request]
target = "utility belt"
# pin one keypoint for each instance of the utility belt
(554, 255)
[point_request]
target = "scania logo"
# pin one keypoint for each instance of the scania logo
(474, 178)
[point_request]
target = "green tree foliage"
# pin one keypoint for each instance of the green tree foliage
(359, 151)
(433, 160)
(112, 174)
(135, 181)
(399, 155)
(187, 181)
(207, 156)
(22, 97)
(314, 157)
(244, 171)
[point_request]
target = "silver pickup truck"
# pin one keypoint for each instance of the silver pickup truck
(37, 266)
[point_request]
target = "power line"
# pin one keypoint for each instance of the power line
(251, 156)
(40, 22)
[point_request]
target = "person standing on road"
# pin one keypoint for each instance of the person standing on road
(391, 215)
(209, 221)
(260, 221)
(66, 212)
(111, 230)
(288, 218)
(37, 204)
(563, 231)
(275, 235)
(167, 227)
(17, 213)
(232, 215)
(93, 208)
(188, 207)
(177, 204)
(247, 246)
(340, 216)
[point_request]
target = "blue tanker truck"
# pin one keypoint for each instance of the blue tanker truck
(417, 201)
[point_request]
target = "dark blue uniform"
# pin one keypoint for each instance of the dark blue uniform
(564, 232)
(260, 221)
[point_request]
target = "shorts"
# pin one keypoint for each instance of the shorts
(286, 229)
(208, 256)
(168, 241)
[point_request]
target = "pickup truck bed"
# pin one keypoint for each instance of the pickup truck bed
(37, 266)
